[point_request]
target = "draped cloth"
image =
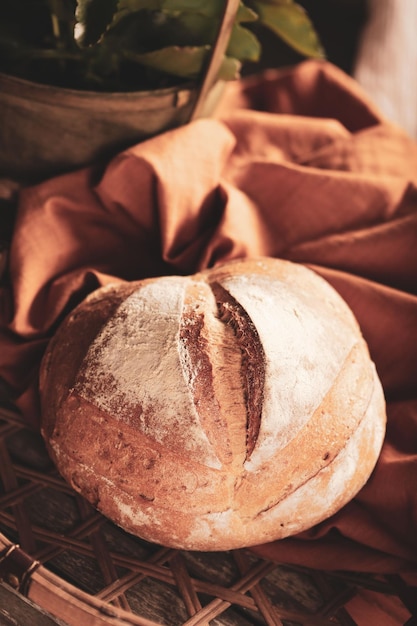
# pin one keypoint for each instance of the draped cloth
(297, 164)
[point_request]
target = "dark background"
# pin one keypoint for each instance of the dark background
(339, 24)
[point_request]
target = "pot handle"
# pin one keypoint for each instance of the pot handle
(216, 56)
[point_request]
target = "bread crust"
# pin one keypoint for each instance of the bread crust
(214, 411)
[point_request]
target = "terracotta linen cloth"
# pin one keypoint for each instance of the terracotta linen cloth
(297, 164)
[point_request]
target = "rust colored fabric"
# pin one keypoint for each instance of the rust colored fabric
(296, 164)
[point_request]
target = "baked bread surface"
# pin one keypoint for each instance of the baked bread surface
(214, 411)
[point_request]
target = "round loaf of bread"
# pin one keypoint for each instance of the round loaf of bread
(215, 411)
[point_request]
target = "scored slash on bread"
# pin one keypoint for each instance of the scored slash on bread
(214, 411)
(252, 367)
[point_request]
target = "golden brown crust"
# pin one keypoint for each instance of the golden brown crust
(69, 349)
(165, 403)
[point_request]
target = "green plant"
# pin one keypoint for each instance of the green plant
(137, 44)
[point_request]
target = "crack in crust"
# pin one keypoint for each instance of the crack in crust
(253, 360)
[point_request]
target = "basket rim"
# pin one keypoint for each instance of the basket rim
(65, 601)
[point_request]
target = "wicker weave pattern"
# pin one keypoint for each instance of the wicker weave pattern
(113, 578)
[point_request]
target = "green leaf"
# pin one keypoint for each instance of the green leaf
(190, 29)
(211, 8)
(229, 69)
(291, 23)
(185, 62)
(275, 2)
(189, 6)
(243, 44)
(146, 31)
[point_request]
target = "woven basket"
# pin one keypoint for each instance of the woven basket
(80, 568)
